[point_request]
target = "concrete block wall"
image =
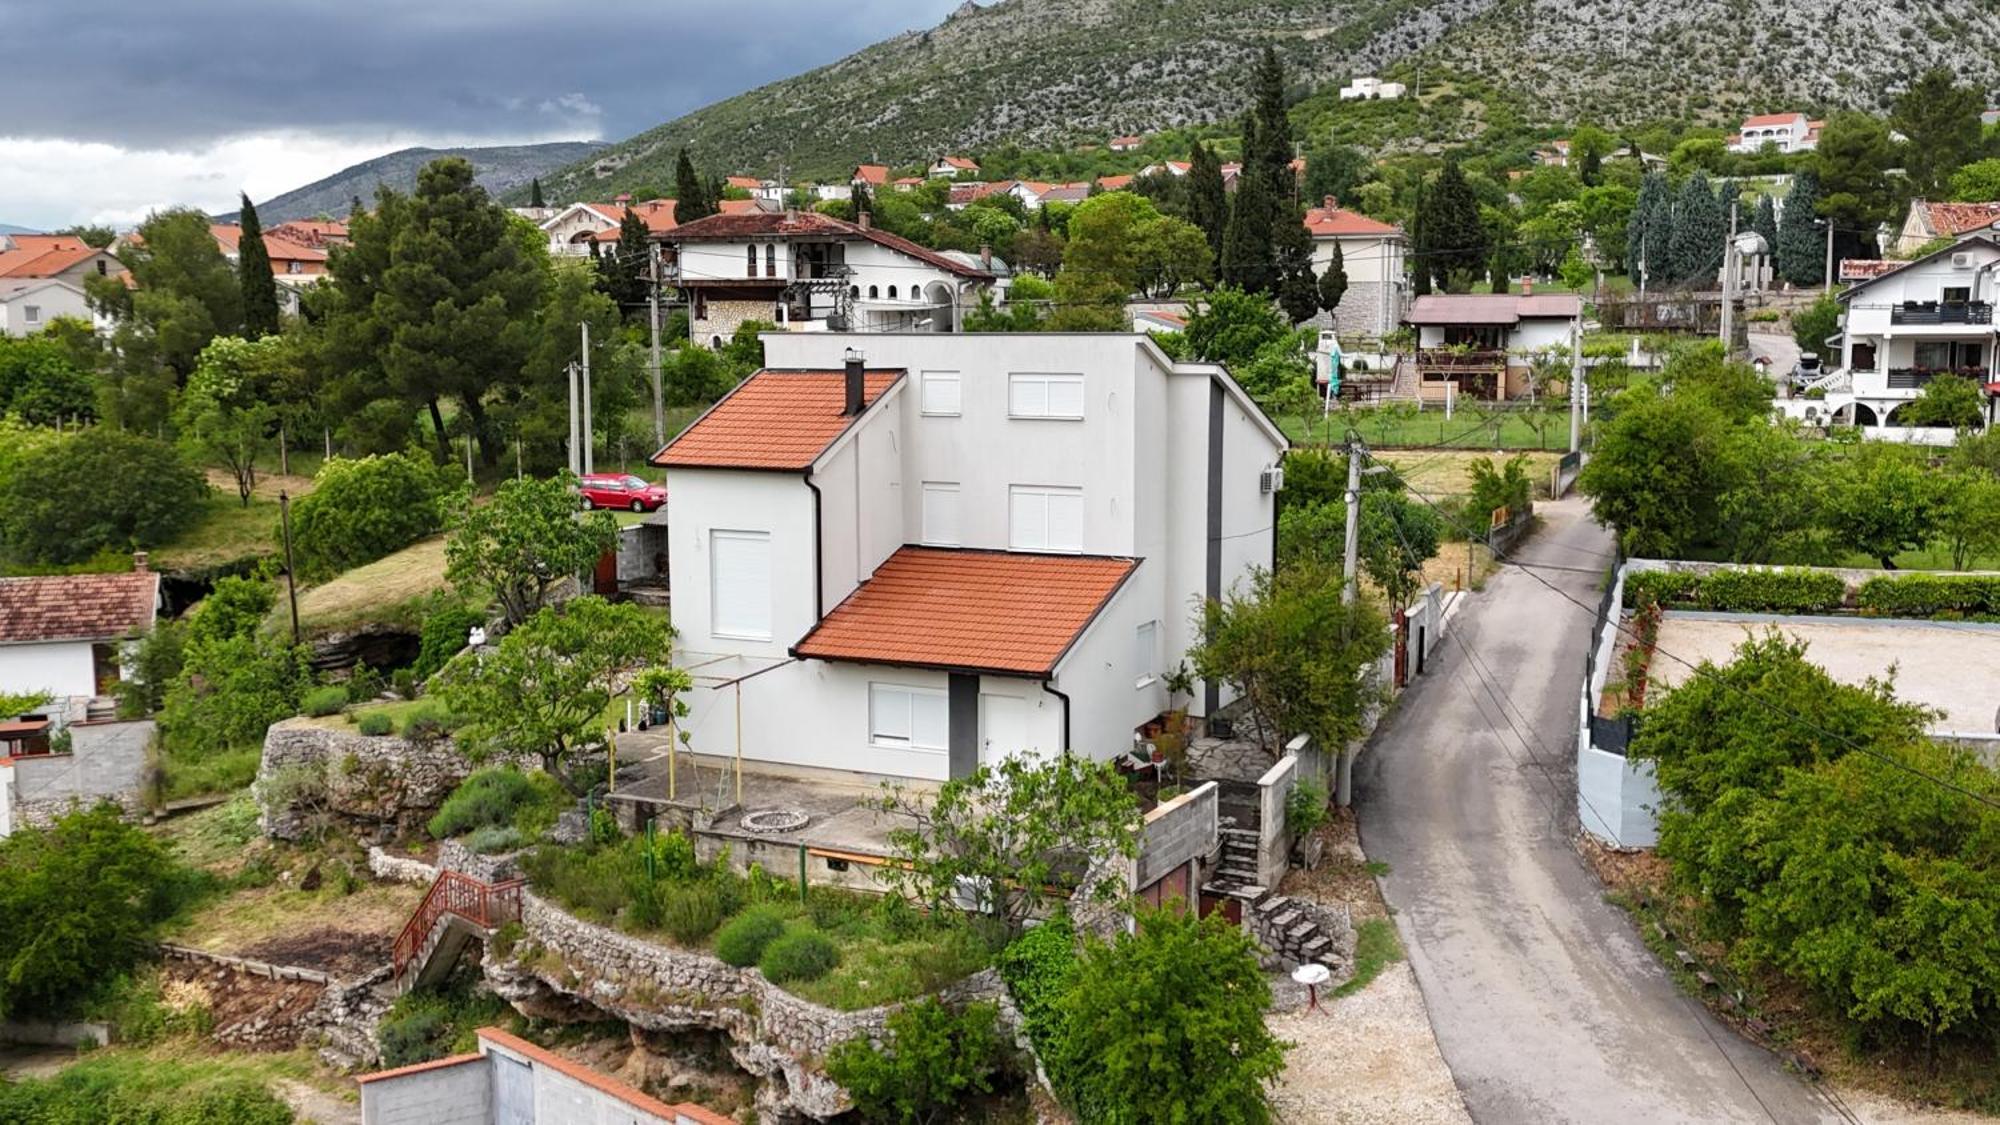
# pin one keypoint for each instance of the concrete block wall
(448, 1092)
(107, 761)
(1179, 830)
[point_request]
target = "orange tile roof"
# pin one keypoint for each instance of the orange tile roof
(1114, 183)
(750, 182)
(1959, 218)
(42, 255)
(776, 420)
(77, 607)
(871, 173)
(1771, 119)
(279, 248)
(987, 611)
(1331, 221)
(960, 163)
(658, 214)
(740, 207)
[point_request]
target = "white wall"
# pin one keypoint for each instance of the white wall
(1868, 308)
(863, 516)
(1535, 334)
(706, 500)
(52, 301)
(1100, 676)
(61, 669)
(460, 1094)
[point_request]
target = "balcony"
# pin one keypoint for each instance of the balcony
(1452, 361)
(1914, 378)
(1941, 312)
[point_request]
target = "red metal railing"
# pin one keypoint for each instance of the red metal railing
(486, 905)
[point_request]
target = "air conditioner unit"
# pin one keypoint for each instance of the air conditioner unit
(1962, 260)
(1272, 479)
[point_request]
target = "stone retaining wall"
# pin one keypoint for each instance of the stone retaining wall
(384, 780)
(565, 968)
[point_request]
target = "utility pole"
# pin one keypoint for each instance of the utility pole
(1351, 557)
(1828, 286)
(291, 575)
(1729, 283)
(575, 461)
(1576, 385)
(653, 298)
(589, 433)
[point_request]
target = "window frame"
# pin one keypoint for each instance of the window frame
(924, 492)
(1146, 648)
(1047, 381)
(715, 624)
(31, 314)
(910, 693)
(1046, 492)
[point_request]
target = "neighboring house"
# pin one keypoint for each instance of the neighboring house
(1485, 343)
(870, 176)
(961, 196)
(321, 234)
(1156, 321)
(1787, 132)
(957, 548)
(1114, 183)
(1076, 192)
(1555, 154)
(1926, 222)
(59, 257)
(908, 183)
(1372, 255)
(946, 167)
(295, 264)
(510, 1081)
(572, 229)
(1175, 168)
(1930, 319)
(66, 635)
(1372, 89)
(824, 192)
(812, 272)
(27, 305)
(1125, 144)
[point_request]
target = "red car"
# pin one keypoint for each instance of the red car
(616, 490)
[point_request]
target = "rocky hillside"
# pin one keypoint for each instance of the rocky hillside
(1047, 72)
(500, 168)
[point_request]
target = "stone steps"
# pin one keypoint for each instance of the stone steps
(1296, 933)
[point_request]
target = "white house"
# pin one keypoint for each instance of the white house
(1372, 89)
(1486, 343)
(1372, 255)
(946, 167)
(957, 548)
(1787, 132)
(66, 636)
(27, 305)
(813, 272)
(1930, 319)
(572, 229)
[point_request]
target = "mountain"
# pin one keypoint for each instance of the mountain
(499, 168)
(10, 228)
(1049, 72)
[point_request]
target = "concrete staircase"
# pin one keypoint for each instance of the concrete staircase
(1236, 875)
(457, 910)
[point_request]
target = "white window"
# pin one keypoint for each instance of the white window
(1045, 396)
(32, 313)
(739, 574)
(1146, 654)
(1045, 519)
(941, 513)
(941, 392)
(907, 718)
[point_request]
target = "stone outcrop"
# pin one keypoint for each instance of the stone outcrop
(564, 968)
(344, 1020)
(385, 781)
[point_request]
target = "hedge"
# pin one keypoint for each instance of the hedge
(1740, 591)
(1930, 595)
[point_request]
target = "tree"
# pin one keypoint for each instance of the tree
(1266, 189)
(1588, 146)
(1701, 227)
(544, 691)
(1650, 230)
(1881, 500)
(1332, 285)
(1799, 259)
(1247, 260)
(1119, 244)
(1334, 171)
(627, 270)
(1298, 289)
(1939, 120)
(1398, 535)
(1166, 1024)
(1230, 326)
(94, 235)
(223, 415)
(230, 689)
(934, 1061)
(1019, 836)
(182, 294)
(1604, 214)
(1658, 472)
(1970, 507)
(1295, 653)
(1208, 201)
(691, 195)
(98, 490)
(1948, 401)
(535, 193)
(1854, 157)
(80, 904)
(361, 509)
(254, 277)
(1977, 182)
(1454, 240)
(42, 382)
(528, 539)
(1764, 221)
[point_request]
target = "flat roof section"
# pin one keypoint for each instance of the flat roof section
(1946, 665)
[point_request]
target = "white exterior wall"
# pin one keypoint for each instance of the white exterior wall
(862, 513)
(1535, 334)
(62, 669)
(461, 1094)
(567, 225)
(1367, 258)
(50, 301)
(708, 500)
(1100, 674)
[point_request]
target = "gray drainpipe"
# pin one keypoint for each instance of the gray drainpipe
(819, 597)
(1050, 687)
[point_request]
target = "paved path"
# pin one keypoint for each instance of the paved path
(1546, 1005)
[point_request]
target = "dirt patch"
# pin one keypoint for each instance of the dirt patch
(1343, 876)
(344, 953)
(246, 1012)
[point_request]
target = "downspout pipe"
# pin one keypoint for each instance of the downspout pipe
(819, 596)
(1050, 687)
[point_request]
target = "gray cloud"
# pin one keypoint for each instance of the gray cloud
(182, 73)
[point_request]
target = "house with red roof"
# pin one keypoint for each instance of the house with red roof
(572, 229)
(1485, 343)
(870, 176)
(1926, 222)
(1372, 255)
(812, 272)
(1126, 143)
(947, 167)
(30, 304)
(909, 555)
(1785, 132)
(66, 636)
(42, 277)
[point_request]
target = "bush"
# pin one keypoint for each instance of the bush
(1662, 587)
(421, 1026)
(360, 510)
(1305, 807)
(363, 684)
(444, 634)
(229, 692)
(690, 912)
(742, 942)
(1740, 591)
(1930, 595)
(427, 723)
(1039, 968)
(375, 724)
(495, 839)
(799, 954)
(323, 701)
(934, 1061)
(404, 683)
(500, 797)
(101, 489)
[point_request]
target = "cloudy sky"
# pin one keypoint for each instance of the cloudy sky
(116, 107)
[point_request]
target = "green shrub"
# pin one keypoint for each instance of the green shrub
(363, 684)
(936, 1059)
(1039, 968)
(1930, 595)
(375, 724)
(742, 942)
(1773, 591)
(427, 723)
(500, 797)
(404, 681)
(229, 692)
(1305, 807)
(421, 1026)
(323, 701)
(444, 634)
(494, 839)
(362, 509)
(799, 954)
(99, 489)
(1662, 587)
(691, 911)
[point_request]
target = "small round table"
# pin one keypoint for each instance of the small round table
(1312, 976)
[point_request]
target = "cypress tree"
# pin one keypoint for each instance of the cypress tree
(254, 277)
(1247, 260)
(1766, 222)
(1694, 249)
(1298, 289)
(1800, 259)
(1208, 200)
(1456, 245)
(1333, 283)
(535, 193)
(626, 273)
(1420, 244)
(1647, 232)
(691, 196)
(860, 201)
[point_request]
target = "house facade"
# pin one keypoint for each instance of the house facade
(66, 635)
(1931, 319)
(811, 272)
(911, 555)
(54, 257)
(572, 229)
(1786, 132)
(1485, 344)
(1926, 222)
(946, 167)
(28, 305)
(1372, 89)
(1372, 254)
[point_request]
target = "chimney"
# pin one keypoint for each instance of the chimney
(1330, 203)
(857, 383)
(1527, 287)
(866, 220)
(139, 562)
(986, 255)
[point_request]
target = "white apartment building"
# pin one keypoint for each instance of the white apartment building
(1787, 132)
(913, 554)
(1372, 89)
(29, 304)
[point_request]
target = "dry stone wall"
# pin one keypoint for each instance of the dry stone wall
(386, 781)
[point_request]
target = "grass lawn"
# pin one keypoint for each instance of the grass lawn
(1466, 429)
(394, 591)
(250, 919)
(228, 531)
(182, 1068)
(1449, 473)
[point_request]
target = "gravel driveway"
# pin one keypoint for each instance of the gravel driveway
(1368, 1058)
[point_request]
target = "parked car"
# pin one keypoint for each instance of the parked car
(1809, 368)
(618, 490)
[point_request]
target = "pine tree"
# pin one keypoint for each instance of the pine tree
(691, 198)
(254, 277)
(535, 193)
(1333, 283)
(1256, 234)
(1799, 258)
(1455, 242)
(1247, 261)
(1650, 229)
(1765, 222)
(861, 202)
(1208, 200)
(625, 273)
(1694, 249)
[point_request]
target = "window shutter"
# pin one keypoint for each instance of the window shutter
(1065, 520)
(1065, 396)
(1027, 396)
(928, 723)
(1027, 520)
(941, 392)
(740, 584)
(940, 526)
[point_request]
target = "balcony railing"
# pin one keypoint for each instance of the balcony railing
(1450, 361)
(1945, 312)
(1914, 378)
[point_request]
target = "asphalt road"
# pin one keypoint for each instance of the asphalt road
(1546, 1005)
